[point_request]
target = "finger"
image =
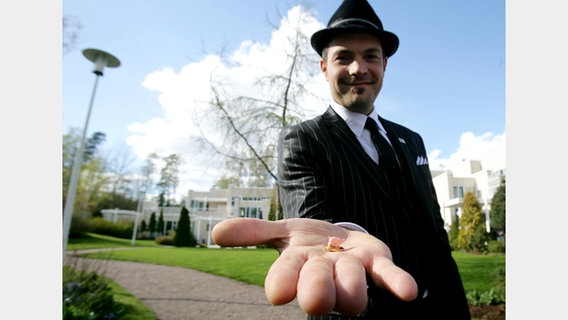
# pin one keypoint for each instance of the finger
(399, 282)
(282, 277)
(350, 286)
(316, 288)
(247, 232)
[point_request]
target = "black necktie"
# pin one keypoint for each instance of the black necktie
(387, 158)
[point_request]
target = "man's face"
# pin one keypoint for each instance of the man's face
(354, 66)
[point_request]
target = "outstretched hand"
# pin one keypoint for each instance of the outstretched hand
(322, 281)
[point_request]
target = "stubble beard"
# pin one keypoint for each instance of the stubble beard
(357, 101)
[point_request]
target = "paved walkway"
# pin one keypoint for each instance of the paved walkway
(177, 293)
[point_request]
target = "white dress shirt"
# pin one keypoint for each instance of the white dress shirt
(356, 122)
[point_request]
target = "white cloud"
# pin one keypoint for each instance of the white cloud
(184, 98)
(484, 147)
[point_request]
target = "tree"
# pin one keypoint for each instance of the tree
(71, 143)
(110, 201)
(92, 176)
(498, 209)
(145, 182)
(102, 183)
(453, 234)
(247, 126)
(70, 35)
(161, 225)
(472, 235)
(183, 236)
(152, 224)
(169, 176)
(119, 172)
(225, 182)
(92, 144)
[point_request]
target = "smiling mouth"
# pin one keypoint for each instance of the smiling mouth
(359, 87)
(359, 83)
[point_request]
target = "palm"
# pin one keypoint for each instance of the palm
(322, 281)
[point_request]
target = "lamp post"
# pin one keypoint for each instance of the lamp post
(101, 59)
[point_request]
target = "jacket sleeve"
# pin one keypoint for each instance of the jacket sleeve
(302, 185)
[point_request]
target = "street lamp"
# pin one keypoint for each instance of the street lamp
(101, 59)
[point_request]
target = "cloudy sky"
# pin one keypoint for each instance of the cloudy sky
(447, 80)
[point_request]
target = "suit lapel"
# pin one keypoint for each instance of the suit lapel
(398, 145)
(341, 133)
(408, 153)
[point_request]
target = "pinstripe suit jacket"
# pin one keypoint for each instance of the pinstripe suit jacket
(324, 173)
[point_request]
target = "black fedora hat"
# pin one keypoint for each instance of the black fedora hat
(355, 16)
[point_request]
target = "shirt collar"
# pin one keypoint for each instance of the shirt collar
(356, 121)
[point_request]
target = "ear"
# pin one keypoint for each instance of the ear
(385, 61)
(323, 67)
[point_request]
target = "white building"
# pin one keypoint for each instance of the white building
(207, 208)
(480, 177)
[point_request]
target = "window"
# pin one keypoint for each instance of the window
(247, 212)
(457, 192)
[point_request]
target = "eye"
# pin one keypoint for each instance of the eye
(372, 57)
(343, 59)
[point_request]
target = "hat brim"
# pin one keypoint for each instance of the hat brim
(323, 37)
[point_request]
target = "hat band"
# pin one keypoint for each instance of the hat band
(367, 22)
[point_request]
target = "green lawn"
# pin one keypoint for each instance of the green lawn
(477, 271)
(134, 309)
(97, 241)
(251, 265)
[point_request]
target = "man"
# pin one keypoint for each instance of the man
(351, 174)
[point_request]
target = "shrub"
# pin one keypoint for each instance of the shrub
(87, 295)
(496, 246)
(472, 235)
(479, 239)
(491, 297)
(119, 229)
(494, 296)
(165, 240)
(453, 234)
(183, 236)
(79, 227)
(500, 282)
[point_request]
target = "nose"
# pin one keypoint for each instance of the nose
(357, 66)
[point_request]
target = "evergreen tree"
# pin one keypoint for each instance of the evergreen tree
(498, 209)
(472, 235)
(160, 228)
(152, 224)
(453, 234)
(183, 236)
(480, 238)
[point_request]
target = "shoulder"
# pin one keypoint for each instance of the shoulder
(312, 127)
(395, 129)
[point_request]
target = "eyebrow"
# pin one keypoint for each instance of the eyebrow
(366, 51)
